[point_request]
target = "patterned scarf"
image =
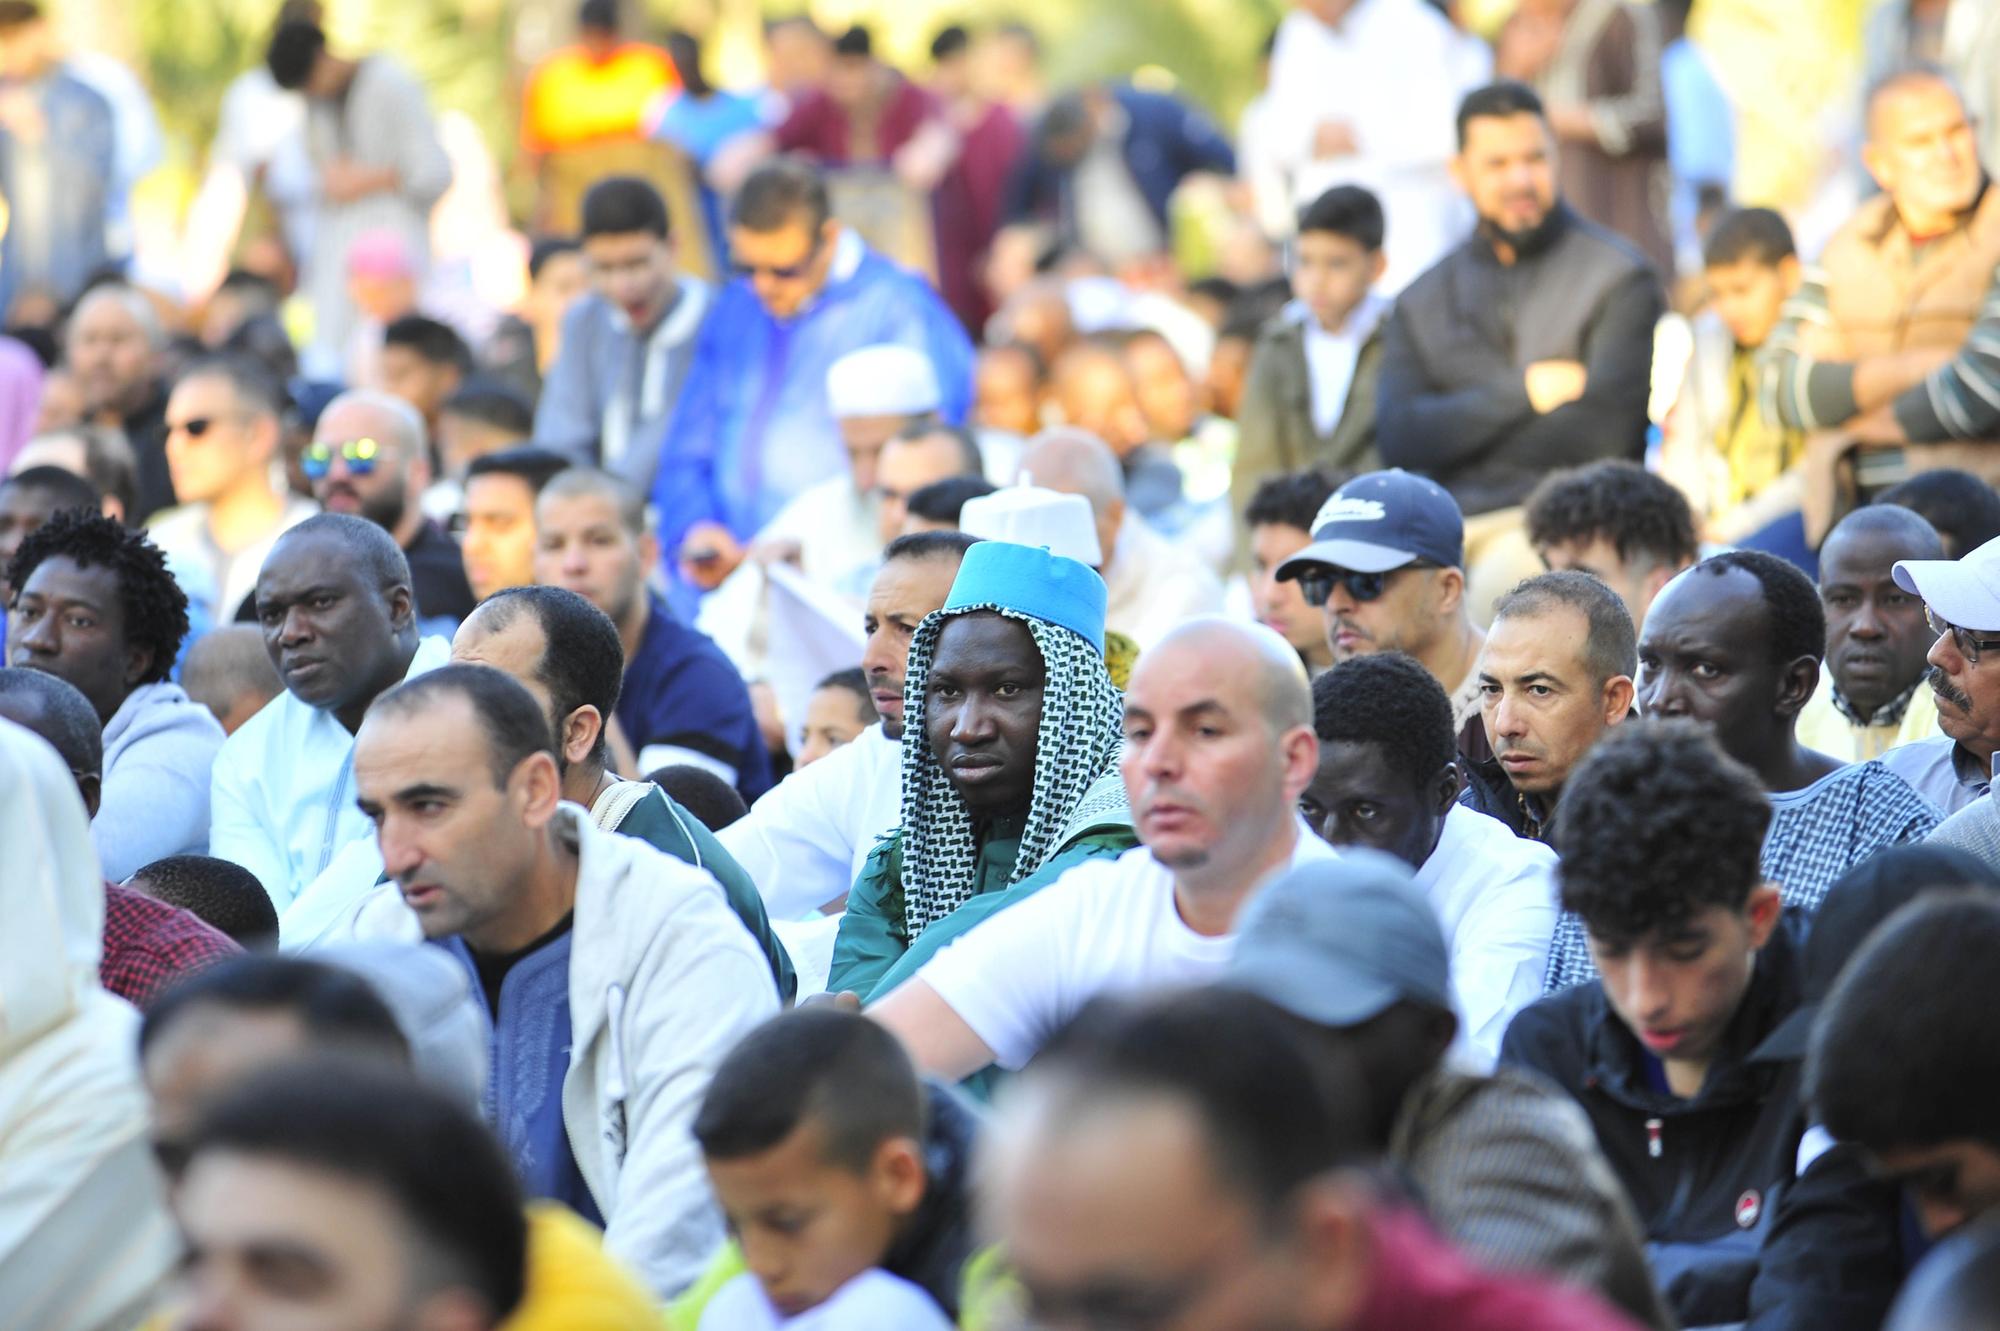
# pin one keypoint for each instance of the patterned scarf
(1077, 748)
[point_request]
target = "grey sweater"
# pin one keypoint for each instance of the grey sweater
(158, 749)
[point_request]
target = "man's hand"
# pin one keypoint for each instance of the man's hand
(1335, 138)
(778, 550)
(1555, 383)
(708, 555)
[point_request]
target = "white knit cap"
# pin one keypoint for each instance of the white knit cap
(1030, 515)
(882, 380)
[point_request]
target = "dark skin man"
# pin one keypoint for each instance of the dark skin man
(1706, 653)
(1876, 637)
(69, 620)
(1357, 798)
(983, 711)
(336, 633)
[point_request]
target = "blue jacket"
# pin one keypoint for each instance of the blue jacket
(1166, 141)
(60, 189)
(752, 429)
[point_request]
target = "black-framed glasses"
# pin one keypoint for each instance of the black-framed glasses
(790, 272)
(361, 456)
(1969, 646)
(1317, 582)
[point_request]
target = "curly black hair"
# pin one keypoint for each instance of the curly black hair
(1658, 823)
(1290, 499)
(156, 609)
(1642, 515)
(1388, 700)
(1798, 620)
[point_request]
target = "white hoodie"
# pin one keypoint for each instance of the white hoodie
(84, 1235)
(663, 981)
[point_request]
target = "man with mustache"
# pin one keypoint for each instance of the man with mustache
(370, 456)
(1525, 349)
(1872, 695)
(1962, 606)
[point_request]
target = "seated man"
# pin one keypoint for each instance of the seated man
(1556, 673)
(1964, 509)
(1387, 780)
(1386, 569)
(370, 457)
(1735, 644)
(1010, 759)
(95, 605)
(1660, 847)
(1955, 769)
(226, 897)
(1279, 520)
(498, 547)
(682, 700)
(1884, 355)
(821, 1111)
(240, 1020)
(148, 945)
(340, 1169)
(1185, 1159)
(1505, 1164)
(1218, 748)
(1617, 522)
(29, 498)
(228, 672)
(565, 652)
(1872, 695)
(1899, 1051)
(484, 416)
(615, 976)
(423, 362)
(340, 625)
(805, 842)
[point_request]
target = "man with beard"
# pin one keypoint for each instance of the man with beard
(370, 456)
(1527, 348)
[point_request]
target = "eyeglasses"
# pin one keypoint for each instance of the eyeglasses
(1316, 584)
(361, 456)
(1968, 646)
(786, 273)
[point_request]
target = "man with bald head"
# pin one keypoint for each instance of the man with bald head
(1218, 748)
(1886, 354)
(1152, 583)
(340, 624)
(370, 456)
(111, 348)
(1871, 696)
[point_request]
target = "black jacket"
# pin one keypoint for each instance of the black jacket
(1703, 1198)
(1834, 1256)
(939, 1239)
(1452, 400)
(1487, 790)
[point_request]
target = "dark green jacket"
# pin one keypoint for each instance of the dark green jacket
(873, 952)
(641, 809)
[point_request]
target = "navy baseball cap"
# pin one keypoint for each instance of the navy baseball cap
(1382, 521)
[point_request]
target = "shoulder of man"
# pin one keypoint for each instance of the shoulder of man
(1552, 1034)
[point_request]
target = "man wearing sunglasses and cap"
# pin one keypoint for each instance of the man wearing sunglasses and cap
(370, 457)
(1386, 568)
(1962, 606)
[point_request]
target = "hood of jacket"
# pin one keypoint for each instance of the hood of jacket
(156, 709)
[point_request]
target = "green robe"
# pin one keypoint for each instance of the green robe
(874, 953)
(652, 816)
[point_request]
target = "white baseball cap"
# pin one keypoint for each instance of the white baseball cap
(1964, 591)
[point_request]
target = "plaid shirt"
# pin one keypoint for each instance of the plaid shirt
(1816, 835)
(148, 945)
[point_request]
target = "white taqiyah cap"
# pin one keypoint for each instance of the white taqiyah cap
(882, 380)
(1030, 515)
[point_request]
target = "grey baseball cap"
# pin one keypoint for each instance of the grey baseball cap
(1338, 941)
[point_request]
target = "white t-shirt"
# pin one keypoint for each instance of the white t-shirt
(804, 842)
(1496, 895)
(872, 1301)
(1106, 926)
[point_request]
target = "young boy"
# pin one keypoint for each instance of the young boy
(1738, 469)
(836, 1170)
(1660, 840)
(1309, 400)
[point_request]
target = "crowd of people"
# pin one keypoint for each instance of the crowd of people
(889, 743)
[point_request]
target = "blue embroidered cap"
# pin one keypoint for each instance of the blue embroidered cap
(1049, 587)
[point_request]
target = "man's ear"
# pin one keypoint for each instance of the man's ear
(649, 551)
(538, 787)
(1796, 683)
(1377, 265)
(579, 733)
(91, 786)
(138, 660)
(1335, 1253)
(1619, 691)
(402, 607)
(1764, 909)
(1447, 789)
(1450, 584)
(1300, 750)
(1790, 274)
(898, 1176)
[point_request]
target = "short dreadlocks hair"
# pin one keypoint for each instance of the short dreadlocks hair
(156, 609)
(1387, 700)
(1798, 620)
(1643, 516)
(1658, 824)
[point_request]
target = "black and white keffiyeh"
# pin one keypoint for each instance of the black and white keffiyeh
(1077, 748)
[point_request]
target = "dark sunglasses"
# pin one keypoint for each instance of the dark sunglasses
(194, 428)
(361, 456)
(787, 273)
(1968, 645)
(1316, 584)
